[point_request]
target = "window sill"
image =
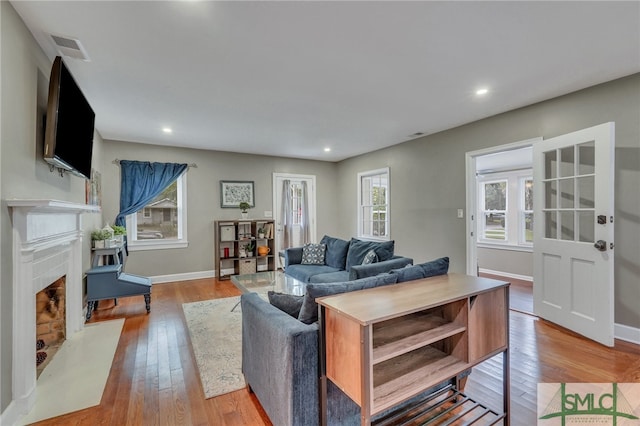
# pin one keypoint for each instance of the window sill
(156, 245)
(510, 247)
(370, 238)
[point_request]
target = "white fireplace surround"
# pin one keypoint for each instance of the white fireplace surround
(47, 244)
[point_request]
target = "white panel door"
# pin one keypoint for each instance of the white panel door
(573, 231)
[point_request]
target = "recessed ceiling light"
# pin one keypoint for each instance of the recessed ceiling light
(167, 130)
(327, 149)
(482, 91)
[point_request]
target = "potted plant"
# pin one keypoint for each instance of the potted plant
(248, 249)
(99, 236)
(119, 232)
(261, 232)
(244, 209)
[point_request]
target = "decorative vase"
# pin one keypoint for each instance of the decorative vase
(244, 215)
(98, 243)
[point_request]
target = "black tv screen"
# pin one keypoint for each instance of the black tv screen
(69, 125)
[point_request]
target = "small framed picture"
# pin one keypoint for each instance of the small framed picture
(232, 193)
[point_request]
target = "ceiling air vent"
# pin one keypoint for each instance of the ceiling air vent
(70, 47)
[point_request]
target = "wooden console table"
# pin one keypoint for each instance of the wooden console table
(385, 345)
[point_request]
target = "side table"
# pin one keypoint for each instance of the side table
(109, 255)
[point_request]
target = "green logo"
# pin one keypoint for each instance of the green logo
(588, 404)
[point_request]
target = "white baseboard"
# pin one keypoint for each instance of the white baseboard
(627, 333)
(159, 279)
(506, 274)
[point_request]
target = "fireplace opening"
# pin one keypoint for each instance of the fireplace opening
(50, 322)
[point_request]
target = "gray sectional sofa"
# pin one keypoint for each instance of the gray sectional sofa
(343, 261)
(280, 349)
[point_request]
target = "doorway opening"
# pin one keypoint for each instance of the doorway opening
(294, 211)
(500, 218)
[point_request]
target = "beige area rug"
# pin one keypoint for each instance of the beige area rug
(76, 376)
(216, 338)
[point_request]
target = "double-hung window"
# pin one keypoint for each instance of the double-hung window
(162, 223)
(373, 204)
(505, 208)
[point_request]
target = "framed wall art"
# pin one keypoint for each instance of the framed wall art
(232, 193)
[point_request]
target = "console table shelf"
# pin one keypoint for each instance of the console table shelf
(386, 345)
(447, 406)
(395, 337)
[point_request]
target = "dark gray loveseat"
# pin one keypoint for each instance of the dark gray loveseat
(343, 261)
(280, 351)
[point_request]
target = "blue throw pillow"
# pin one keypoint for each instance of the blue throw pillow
(288, 303)
(309, 311)
(423, 270)
(358, 249)
(313, 254)
(336, 252)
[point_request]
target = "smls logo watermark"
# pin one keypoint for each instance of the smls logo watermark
(616, 404)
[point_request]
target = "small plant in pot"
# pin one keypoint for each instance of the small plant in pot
(99, 236)
(261, 232)
(248, 249)
(119, 232)
(244, 209)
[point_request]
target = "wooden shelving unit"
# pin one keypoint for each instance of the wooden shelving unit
(386, 345)
(231, 235)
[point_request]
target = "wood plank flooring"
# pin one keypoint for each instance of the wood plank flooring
(154, 378)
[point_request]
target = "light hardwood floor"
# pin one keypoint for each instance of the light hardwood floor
(154, 378)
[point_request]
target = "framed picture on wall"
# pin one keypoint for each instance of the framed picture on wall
(235, 192)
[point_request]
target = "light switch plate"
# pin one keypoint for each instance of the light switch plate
(460, 213)
(268, 213)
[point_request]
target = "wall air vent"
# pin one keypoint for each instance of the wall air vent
(69, 47)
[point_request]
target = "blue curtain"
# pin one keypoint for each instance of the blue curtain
(141, 182)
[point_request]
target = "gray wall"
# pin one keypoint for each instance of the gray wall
(23, 173)
(428, 178)
(203, 198)
(504, 260)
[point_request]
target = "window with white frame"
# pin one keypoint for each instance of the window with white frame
(505, 208)
(373, 204)
(162, 223)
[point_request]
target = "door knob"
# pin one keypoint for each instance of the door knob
(601, 245)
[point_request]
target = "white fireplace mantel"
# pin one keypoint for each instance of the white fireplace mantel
(47, 244)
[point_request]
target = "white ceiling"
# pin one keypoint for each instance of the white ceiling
(291, 78)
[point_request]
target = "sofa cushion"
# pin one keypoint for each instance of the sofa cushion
(288, 303)
(330, 277)
(309, 311)
(313, 254)
(423, 270)
(305, 272)
(358, 249)
(336, 252)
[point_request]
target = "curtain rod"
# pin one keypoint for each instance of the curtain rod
(192, 165)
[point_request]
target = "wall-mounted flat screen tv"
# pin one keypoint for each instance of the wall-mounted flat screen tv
(68, 135)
